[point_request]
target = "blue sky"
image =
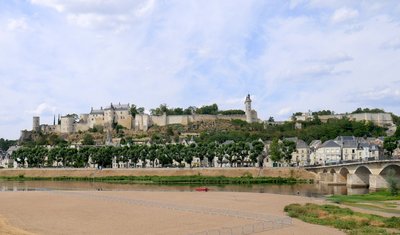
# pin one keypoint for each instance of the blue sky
(59, 56)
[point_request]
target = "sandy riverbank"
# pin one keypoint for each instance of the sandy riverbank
(143, 212)
(228, 172)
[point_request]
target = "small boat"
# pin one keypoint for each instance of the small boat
(202, 189)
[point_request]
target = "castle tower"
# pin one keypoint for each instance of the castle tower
(247, 109)
(36, 124)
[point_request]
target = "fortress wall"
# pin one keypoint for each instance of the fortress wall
(125, 121)
(84, 118)
(325, 118)
(231, 117)
(97, 121)
(81, 127)
(377, 118)
(158, 120)
(178, 119)
(204, 117)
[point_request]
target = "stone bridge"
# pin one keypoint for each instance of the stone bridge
(372, 174)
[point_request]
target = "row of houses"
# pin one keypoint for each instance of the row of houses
(5, 157)
(341, 149)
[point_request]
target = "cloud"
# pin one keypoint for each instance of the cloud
(19, 24)
(98, 14)
(344, 14)
(337, 58)
(288, 56)
(44, 108)
(393, 44)
(284, 111)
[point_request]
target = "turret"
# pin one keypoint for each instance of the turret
(36, 124)
(247, 109)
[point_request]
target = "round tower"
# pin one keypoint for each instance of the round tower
(67, 124)
(247, 109)
(36, 124)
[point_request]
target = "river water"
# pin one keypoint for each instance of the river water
(309, 190)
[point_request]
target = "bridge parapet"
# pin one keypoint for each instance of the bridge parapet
(371, 174)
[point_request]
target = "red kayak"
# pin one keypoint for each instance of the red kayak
(202, 189)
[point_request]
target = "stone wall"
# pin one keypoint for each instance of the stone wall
(228, 172)
(380, 119)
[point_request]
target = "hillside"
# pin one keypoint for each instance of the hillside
(220, 131)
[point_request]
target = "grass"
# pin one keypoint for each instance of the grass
(377, 201)
(370, 197)
(195, 179)
(344, 219)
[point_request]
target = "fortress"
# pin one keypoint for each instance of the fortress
(119, 114)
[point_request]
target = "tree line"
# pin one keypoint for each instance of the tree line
(234, 154)
(311, 130)
(205, 109)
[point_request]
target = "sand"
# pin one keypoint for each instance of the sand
(144, 212)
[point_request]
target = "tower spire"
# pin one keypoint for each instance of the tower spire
(247, 110)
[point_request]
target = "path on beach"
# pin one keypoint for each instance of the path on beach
(144, 212)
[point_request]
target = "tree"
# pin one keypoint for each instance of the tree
(271, 119)
(397, 133)
(367, 110)
(190, 110)
(88, 139)
(256, 150)
(392, 181)
(275, 151)
(208, 109)
(288, 147)
(140, 110)
(5, 144)
(163, 108)
(390, 144)
(133, 110)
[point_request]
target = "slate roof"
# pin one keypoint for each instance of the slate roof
(345, 138)
(118, 106)
(329, 144)
(301, 144)
(315, 143)
(97, 111)
(350, 144)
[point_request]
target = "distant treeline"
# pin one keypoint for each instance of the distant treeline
(311, 130)
(206, 109)
(5, 144)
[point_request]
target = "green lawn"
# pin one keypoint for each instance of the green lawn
(378, 201)
(376, 196)
(344, 219)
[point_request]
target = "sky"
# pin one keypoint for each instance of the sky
(66, 56)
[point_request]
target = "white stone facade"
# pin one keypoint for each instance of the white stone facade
(119, 114)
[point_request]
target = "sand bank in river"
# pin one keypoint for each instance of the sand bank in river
(144, 212)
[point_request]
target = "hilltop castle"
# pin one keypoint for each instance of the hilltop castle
(119, 114)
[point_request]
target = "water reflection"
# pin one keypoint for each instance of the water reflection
(310, 190)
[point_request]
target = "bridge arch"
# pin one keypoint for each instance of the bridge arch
(395, 168)
(362, 170)
(344, 172)
(332, 171)
(325, 171)
(361, 176)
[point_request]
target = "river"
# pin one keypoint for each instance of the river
(309, 190)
